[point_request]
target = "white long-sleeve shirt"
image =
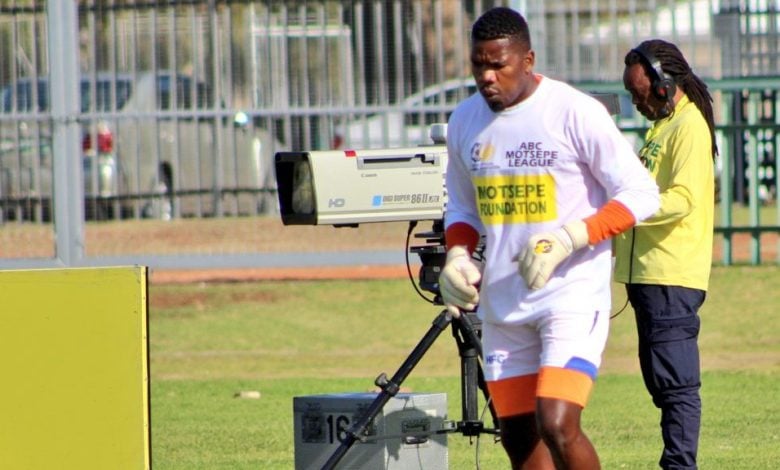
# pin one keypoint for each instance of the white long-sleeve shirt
(555, 157)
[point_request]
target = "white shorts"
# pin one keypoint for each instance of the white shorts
(562, 339)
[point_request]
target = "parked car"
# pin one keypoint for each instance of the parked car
(406, 123)
(149, 142)
(25, 143)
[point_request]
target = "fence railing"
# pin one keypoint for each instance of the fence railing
(747, 115)
(187, 102)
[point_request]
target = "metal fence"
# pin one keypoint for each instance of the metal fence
(140, 109)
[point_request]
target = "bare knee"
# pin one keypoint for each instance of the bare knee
(558, 431)
(558, 424)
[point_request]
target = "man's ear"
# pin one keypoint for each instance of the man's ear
(530, 59)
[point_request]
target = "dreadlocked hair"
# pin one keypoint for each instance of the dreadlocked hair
(674, 64)
(501, 22)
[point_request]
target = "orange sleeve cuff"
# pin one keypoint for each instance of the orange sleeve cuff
(461, 233)
(613, 218)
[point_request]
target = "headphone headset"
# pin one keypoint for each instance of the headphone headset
(663, 84)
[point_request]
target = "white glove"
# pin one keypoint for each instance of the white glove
(458, 280)
(545, 251)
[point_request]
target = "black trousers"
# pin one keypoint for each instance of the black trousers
(667, 323)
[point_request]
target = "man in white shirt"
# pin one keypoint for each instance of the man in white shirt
(541, 170)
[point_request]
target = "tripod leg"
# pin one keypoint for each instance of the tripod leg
(472, 376)
(389, 388)
(485, 393)
(470, 350)
(469, 370)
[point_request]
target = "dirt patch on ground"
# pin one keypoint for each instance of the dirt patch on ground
(269, 235)
(164, 299)
(237, 275)
(168, 301)
(742, 246)
(742, 252)
(205, 236)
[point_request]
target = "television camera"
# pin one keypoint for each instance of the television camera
(350, 187)
(347, 188)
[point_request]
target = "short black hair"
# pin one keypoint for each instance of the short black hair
(501, 22)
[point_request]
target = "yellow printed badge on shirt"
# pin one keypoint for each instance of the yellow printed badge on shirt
(515, 199)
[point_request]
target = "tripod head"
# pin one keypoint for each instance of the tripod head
(432, 254)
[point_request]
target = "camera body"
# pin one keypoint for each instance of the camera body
(350, 187)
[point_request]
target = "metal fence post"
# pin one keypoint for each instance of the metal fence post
(65, 95)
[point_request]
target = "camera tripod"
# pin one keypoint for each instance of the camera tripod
(465, 329)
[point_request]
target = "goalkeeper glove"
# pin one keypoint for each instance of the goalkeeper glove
(545, 251)
(458, 280)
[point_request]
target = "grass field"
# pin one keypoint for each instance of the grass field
(286, 339)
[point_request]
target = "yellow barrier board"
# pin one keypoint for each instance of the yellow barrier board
(75, 378)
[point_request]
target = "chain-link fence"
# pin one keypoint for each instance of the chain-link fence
(172, 111)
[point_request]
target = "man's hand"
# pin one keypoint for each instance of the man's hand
(458, 280)
(545, 251)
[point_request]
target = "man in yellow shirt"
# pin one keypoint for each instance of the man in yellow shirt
(665, 260)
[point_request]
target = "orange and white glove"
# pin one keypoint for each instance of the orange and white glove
(458, 281)
(545, 251)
